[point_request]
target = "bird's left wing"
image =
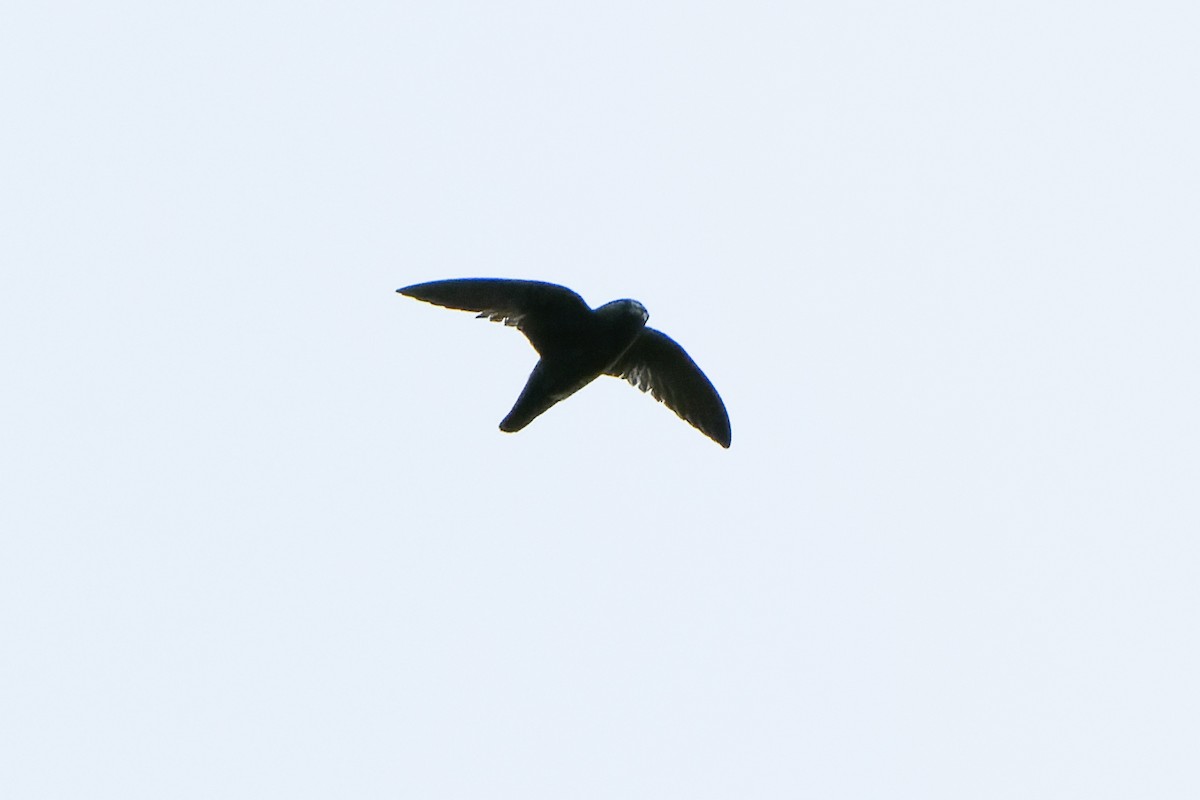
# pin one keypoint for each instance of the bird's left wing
(539, 310)
(655, 363)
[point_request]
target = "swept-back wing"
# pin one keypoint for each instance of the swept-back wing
(655, 363)
(541, 311)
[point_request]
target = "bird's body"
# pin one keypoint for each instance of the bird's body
(578, 344)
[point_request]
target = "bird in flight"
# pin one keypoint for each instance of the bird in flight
(577, 344)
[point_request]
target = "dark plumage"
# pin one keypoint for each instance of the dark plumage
(578, 344)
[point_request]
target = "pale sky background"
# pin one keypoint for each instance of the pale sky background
(261, 537)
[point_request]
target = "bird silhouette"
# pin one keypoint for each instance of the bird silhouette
(577, 344)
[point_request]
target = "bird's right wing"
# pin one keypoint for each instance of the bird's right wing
(539, 310)
(655, 363)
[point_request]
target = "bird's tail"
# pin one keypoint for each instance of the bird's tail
(536, 398)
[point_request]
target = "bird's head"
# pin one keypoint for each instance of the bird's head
(624, 319)
(630, 309)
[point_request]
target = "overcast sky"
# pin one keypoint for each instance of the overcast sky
(261, 537)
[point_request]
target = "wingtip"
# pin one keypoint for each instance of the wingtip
(412, 290)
